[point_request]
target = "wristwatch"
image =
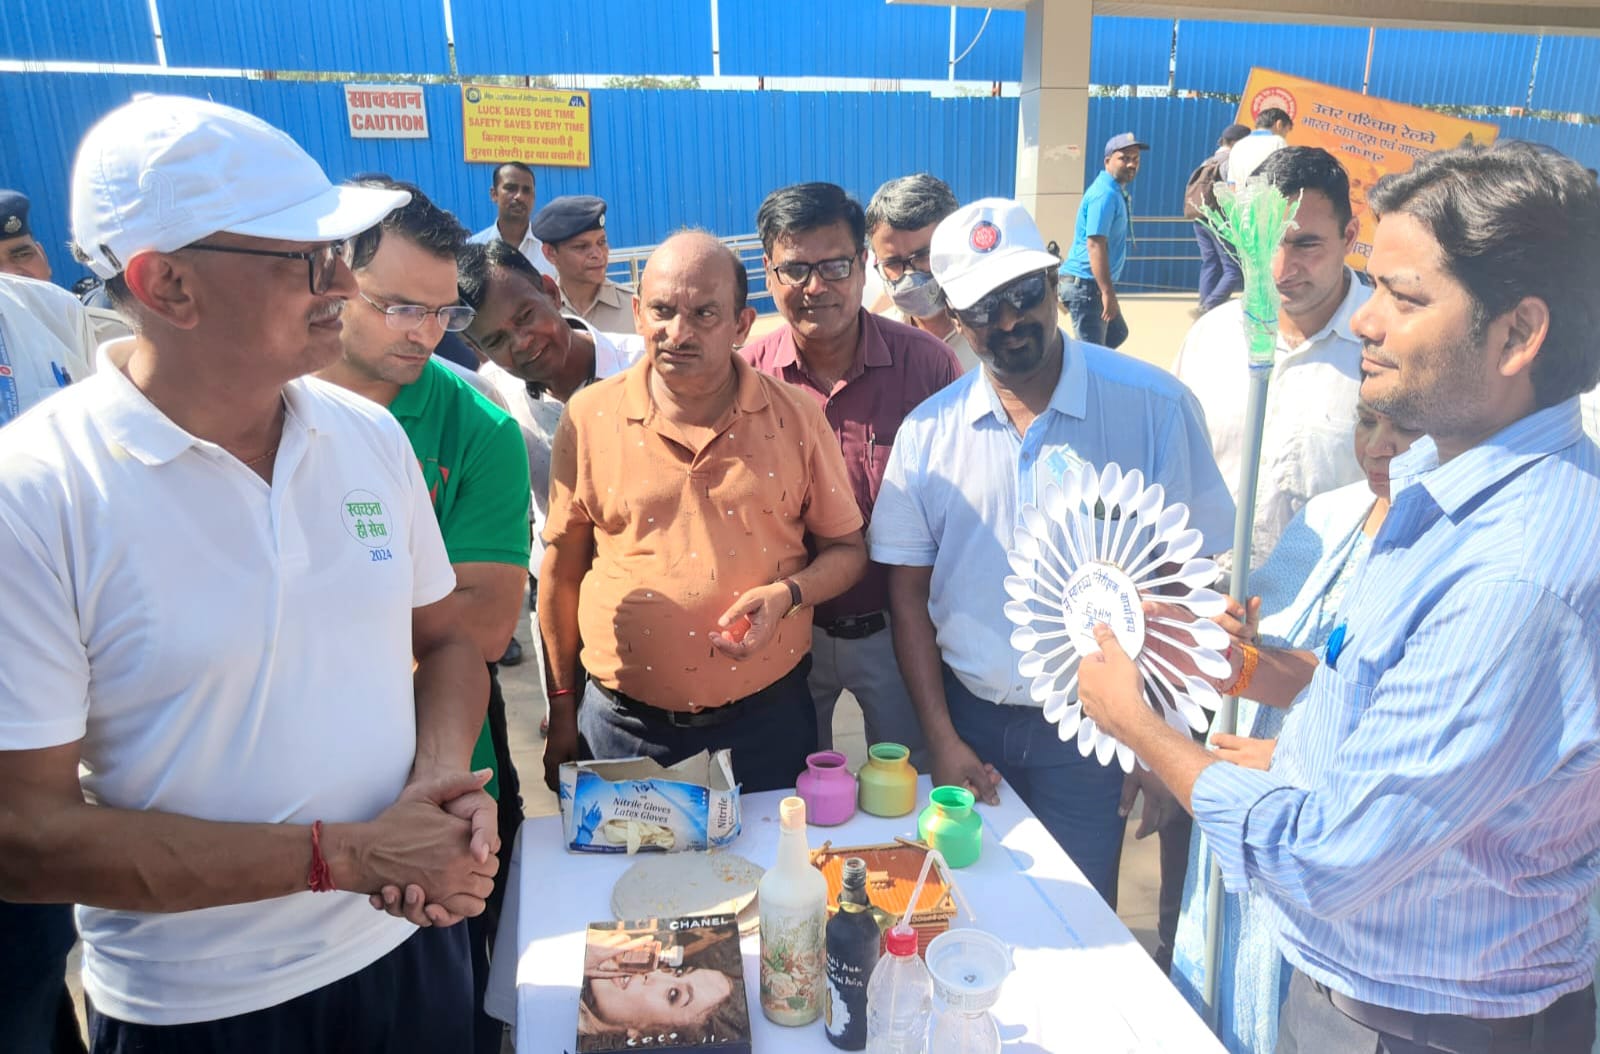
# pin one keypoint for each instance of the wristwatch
(795, 602)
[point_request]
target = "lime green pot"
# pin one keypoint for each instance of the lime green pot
(888, 782)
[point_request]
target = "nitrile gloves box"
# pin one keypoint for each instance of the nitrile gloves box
(636, 804)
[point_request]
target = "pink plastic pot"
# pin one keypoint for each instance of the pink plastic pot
(828, 788)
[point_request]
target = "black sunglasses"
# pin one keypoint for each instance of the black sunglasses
(322, 263)
(835, 270)
(1023, 295)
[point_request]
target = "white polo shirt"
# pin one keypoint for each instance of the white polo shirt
(224, 649)
(530, 247)
(46, 343)
(1308, 445)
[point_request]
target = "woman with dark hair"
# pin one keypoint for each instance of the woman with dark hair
(631, 992)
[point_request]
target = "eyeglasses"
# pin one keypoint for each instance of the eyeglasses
(1023, 295)
(406, 317)
(895, 267)
(322, 263)
(835, 270)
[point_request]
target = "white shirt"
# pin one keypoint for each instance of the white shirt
(530, 247)
(1248, 153)
(46, 342)
(959, 474)
(224, 649)
(957, 340)
(1308, 444)
(539, 414)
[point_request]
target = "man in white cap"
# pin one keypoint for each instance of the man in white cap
(963, 464)
(212, 739)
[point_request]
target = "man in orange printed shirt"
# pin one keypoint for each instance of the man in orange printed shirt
(683, 493)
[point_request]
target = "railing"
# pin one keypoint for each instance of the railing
(628, 264)
(1162, 261)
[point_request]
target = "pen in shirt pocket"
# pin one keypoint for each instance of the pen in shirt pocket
(1335, 645)
(63, 378)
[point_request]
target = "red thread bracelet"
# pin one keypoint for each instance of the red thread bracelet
(321, 877)
(559, 692)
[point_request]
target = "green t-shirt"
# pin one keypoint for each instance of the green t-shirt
(475, 464)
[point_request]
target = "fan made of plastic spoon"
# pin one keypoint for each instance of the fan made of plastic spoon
(1093, 550)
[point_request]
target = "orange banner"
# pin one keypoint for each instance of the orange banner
(1370, 137)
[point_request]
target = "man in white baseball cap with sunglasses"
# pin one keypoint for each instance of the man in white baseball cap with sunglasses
(218, 573)
(964, 463)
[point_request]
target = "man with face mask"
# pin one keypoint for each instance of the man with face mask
(900, 220)
(866, 373)
(964, 463)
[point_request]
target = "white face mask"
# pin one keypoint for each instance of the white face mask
(917, 294)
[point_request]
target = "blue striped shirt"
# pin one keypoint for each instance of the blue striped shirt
(1429, 833)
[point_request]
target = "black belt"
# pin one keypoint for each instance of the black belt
(708, 718)
(1456, 1034)
(855, 627)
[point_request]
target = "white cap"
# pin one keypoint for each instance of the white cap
(980, 247)
(165, 171)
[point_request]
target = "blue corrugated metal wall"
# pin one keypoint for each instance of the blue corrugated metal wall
(82, 31)
(1431, 68)
(1566, 80)
(1217, 56)
(864, 40)
(1131, 51)
(646, 37)
(331, 35)
(1181, 133)
(746, 144)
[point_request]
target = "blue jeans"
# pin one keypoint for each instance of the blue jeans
(415, 1000)
(769, 739)
(1219, 271)
(1075, 797)
(36, 1014)
(1081, 298)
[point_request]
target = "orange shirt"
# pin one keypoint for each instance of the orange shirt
(679, 536)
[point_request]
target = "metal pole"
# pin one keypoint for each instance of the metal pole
(1227, 719)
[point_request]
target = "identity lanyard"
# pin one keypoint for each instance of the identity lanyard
(10, 401)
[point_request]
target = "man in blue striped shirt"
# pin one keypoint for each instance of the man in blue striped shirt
(1429, 831)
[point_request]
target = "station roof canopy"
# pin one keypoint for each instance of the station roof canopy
(1524, 16)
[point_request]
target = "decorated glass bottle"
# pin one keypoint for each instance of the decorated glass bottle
(852, 938)
(794, 908)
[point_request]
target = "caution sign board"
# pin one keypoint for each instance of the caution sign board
(1371, 137)
(532, 125)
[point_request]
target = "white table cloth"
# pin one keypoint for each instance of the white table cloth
(1082, 983)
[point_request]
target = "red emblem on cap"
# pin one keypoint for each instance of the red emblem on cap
(984, 237)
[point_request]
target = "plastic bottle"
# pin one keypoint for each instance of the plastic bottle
(794, 908)
(852, 937)
(899, 997)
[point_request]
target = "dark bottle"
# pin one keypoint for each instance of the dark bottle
(852, 939)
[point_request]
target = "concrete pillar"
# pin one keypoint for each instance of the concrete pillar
(1054, 117)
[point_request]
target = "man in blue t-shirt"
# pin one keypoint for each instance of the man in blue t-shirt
(1100, 247)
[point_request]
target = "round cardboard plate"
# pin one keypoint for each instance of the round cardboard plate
(680, 885)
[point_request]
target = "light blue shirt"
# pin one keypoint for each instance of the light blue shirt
(1104, 211)
(1429, 833)
(959, 473)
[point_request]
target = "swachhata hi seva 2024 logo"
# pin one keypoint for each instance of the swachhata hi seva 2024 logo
(364, 517)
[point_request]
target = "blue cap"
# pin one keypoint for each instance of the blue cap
(14, 208)
(1123, 141)
(567, 217)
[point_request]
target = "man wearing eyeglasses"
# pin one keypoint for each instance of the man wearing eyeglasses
(866, 373)
(900, 220)
(239, 707)
(966, 461)
(473, 461)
